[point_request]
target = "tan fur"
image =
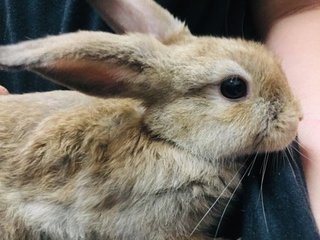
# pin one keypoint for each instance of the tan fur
(150, 161)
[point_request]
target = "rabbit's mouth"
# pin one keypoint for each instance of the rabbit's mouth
(275, 137)
(278, 128)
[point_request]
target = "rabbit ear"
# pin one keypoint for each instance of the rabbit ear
(95, 63)
(143, 16)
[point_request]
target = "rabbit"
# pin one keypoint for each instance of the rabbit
(154, 132)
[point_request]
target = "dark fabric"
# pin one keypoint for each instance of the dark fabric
(285, 213)
(31, 19)
(276, 204)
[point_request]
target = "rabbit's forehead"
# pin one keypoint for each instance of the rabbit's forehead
(226, 67)
(209, 60)
(224, 57)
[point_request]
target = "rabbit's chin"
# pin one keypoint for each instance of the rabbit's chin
(275, 143)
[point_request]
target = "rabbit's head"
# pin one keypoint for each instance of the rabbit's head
(214, 97)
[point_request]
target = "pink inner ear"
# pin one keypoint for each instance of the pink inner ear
(90, 77)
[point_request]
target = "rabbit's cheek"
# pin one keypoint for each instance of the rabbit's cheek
(279, 132)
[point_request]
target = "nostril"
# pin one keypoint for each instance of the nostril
(300, 117)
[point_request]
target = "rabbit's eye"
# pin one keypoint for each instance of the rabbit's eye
(234, 87)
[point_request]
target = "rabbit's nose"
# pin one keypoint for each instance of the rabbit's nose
(300, 117)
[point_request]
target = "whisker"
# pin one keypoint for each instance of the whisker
(300, 145)
(290, 165)
(296, 141)
(254, 160)
(264, 158)
(291, 153)
(265, 163)
(226, 207)
(302, 154)
(216, 201)
(261, 172)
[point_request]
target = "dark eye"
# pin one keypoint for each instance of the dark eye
(234, 87)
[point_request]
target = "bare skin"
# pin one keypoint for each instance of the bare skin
(3, 91)
(291, 30)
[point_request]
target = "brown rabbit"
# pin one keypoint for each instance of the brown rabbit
(148, 162)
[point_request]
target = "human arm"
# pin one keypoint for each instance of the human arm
(291, 28)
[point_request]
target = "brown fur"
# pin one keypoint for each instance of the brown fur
(148, 162)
